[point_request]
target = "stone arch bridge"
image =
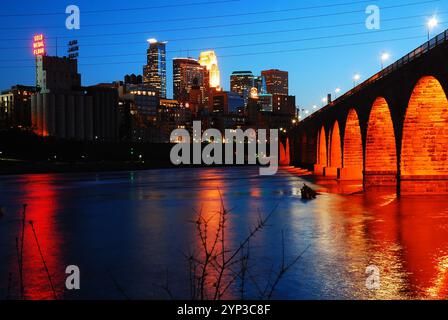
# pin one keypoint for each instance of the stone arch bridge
(390, 130)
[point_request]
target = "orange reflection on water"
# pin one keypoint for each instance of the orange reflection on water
(409, 242)
(211, 202)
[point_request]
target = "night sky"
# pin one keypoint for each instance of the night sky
(322, 43)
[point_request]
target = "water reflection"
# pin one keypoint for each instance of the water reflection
(137, 226)
(41, 198)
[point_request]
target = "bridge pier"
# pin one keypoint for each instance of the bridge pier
(432, 184)
(331, 172)
(319, 170)
(350, 174)
(380, 178)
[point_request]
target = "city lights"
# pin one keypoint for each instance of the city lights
(210, 61)
(325, 100)
(385, 56)
(39, 45)
(356, 78)
(432, 23)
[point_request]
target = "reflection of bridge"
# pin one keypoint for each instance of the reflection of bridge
(390, 130)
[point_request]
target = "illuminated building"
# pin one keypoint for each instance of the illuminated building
(276, 81)
(210, 61)
(242, 82)
(172, 116)
(154, 73)
(56, 74)
(187, 73)
(144, 102)
(265, 102)
(260, 84)
(15, 106)
(226, 102)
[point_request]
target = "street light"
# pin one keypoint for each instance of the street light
(432, 23)
(325, 101)
(337, 90)
(356, 78)
(384, 57)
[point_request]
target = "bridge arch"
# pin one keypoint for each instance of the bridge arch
(424, 155)
(284, 158)
(335, 151)
(353, 158)
(322, 148)
(381, 153)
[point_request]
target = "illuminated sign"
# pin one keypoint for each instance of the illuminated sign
(39, 45)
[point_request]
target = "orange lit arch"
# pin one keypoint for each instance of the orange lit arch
(335, 147)
(322, 148)
(425, 136)
(353, 154)
(381, 154)
(284, 153)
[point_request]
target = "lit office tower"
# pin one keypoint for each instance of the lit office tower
(186, 73)
(241, 82)
(276, 81)
(260, 84)
(154, 73)
(209, 60)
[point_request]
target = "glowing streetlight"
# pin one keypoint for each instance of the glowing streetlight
(314, 107)
(337, 90)
(325, 101)
(432, 23)
(356, 78)
(384, 57)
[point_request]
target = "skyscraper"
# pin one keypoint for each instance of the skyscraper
(210, 61)
(241, 82)
(260, 84)
(154, 73)
(276, 81)
(187, 72)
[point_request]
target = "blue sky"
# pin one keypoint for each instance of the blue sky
(303, 32)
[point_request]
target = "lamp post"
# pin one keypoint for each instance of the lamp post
(337, 91)
(356, 78)
(324, 101)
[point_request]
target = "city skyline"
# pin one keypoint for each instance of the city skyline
(306, 81)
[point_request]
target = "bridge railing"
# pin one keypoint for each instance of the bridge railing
(416, 53)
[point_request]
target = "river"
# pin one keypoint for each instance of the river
(128, 232)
